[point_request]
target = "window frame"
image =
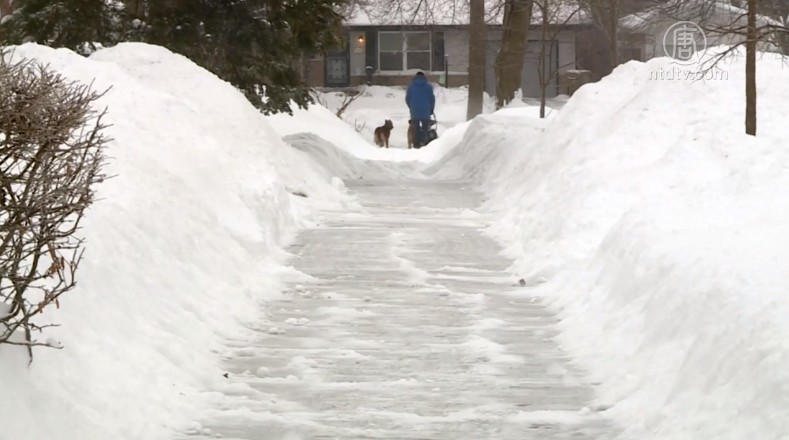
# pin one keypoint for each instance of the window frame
(405, 51)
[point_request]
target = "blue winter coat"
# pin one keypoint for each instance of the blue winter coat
(420, 98)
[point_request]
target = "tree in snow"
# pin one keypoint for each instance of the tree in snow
(253, 44)
(559, 12)
(51, 157)
(605, 16)
(509, 60)
(778, 10)
(726, 23)
(750, 70)
(476, 58)
(75, 24)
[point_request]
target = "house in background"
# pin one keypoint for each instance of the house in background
(6, 7)
(651, 32)
(391, 44)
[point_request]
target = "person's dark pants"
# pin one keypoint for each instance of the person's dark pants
(421, 127)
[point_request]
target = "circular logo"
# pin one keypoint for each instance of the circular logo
(684, 41)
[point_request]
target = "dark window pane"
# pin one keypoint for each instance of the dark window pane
(438, 51)
(419, 60)
(391, 61)
(417, 41)
(371, 50)
(390, 41)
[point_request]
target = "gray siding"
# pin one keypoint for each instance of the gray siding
(530, 80)
(456, 49)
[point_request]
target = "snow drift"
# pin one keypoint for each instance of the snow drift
(658, 229)
(378, 103)
(337, 163)
(181, 247)
(375, 104)
(368, 111)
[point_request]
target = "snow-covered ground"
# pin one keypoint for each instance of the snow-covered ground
(182, 246)
(658, 230)
(378, 103)
(639, 212)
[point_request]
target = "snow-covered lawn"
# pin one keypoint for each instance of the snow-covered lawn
(640, 212)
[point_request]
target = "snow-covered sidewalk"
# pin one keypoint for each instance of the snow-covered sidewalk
(408, 327)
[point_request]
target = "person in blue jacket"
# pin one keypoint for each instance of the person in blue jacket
(422, 104)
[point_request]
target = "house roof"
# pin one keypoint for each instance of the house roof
(451, 12)
(717, 12)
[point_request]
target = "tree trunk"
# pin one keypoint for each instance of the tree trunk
(509, 61)
(613, 32)
(750, 71)
(476, 57)
(605, 16)
(779, 11)
(135, 8)
(541, 62)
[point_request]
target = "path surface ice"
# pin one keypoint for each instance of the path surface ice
(410, 329)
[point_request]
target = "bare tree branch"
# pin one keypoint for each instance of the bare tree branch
(560, 12)
(348, 98)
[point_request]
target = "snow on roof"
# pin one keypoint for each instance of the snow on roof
(719, 12)
(451, 12)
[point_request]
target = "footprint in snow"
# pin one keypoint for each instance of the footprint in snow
(297, 321)
(276, 331)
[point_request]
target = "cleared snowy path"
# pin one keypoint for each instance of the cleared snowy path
(411, 329)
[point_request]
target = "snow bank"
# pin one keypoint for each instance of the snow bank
(337, 163)
(378, 103)
(364, 114)
(480, 144)
(182, 246)
(658, 229)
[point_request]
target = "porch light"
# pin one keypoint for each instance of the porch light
(360, 39)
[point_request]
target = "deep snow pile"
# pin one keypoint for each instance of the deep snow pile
(658, 228)
(181, 247)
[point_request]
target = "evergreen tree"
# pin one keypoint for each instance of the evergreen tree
(76, 24)
(256, 45)
(253, 44)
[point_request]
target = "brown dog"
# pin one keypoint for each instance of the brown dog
(381, 135)
(411, 135)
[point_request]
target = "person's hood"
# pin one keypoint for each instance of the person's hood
(420, 81)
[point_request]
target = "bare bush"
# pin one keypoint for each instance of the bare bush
(348, 98)
(51, 157)
(318, 97)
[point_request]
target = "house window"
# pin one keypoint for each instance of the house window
(398, 51)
